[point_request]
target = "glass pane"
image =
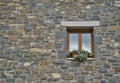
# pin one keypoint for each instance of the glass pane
(86, 42)
(73, 45)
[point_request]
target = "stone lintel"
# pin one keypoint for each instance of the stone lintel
(80, 23)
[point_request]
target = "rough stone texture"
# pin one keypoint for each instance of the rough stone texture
(33, 42)
(68, 76)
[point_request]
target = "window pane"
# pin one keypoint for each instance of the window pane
(73, 45)
(86, 42)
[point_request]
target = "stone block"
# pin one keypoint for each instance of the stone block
(80, 79)
(68, 76)
(85, 73)
(56, 75)
(117, 39)
(10, 80)
(52, 79)
(60, 35)
(64, 66)
(49, 45)
(89, 68)
(27, 64)
(59, 62)
(11, 4)
(35, 50)
(61, 54)
(103, 81)
(103, 70)
(98, 39)
(113, 80)
(45, 1)
(97, 75)
(58, 45)
(57, 3)
(16, 25)
(19, 71)
(79, 4)
(50, 69)
(106, 65)
(12, 38)
(44, 63)
(117, 69)
(112, 60)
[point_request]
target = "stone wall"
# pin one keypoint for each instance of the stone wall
(33, 42)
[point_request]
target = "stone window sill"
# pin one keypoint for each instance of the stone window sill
(72, 59)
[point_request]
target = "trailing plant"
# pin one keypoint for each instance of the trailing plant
(79, 55)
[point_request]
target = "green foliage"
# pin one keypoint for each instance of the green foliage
(80, 56)
(69, 55)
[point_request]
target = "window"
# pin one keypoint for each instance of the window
(82, 39)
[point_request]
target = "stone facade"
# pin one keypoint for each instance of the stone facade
(33, 42)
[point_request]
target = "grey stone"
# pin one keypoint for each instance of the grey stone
(103, 70)
(98, 39)
(10, 80)
(67, 76)
(60, 35)
(64, 66)
(113, 80)
(61, 54)
(112, 60)
(115, 65)
(74, 64)
(58, 46)
(117, 39)
(59, 62)
(106, 65)
(89, 78)
(80, 79)
(52, 79)
(103, 81)
(108, 75)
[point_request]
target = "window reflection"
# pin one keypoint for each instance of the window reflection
(73, 45)
(86, 42)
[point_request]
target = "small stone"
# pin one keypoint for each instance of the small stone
(13, 37)
(59, 62)
(11, 4)
(89, 68)
(44, 63)
(31, 77)
(57, 3)
(103, 81)
(112, 60)
(80, 79)
(117, 69)
(79, 4)
(17, 25)
(27, 64)
(68, 76)
(113, 80)
(88, 7)
(50, 69)
(103, 70)
(35, 50)
(45, 1)
(64, 66)
(49, 45)
(89, 78)
(84, 73)
(56, 75)
(97, 75)
(19, 71)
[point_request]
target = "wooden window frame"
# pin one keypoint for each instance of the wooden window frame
(80, 31)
